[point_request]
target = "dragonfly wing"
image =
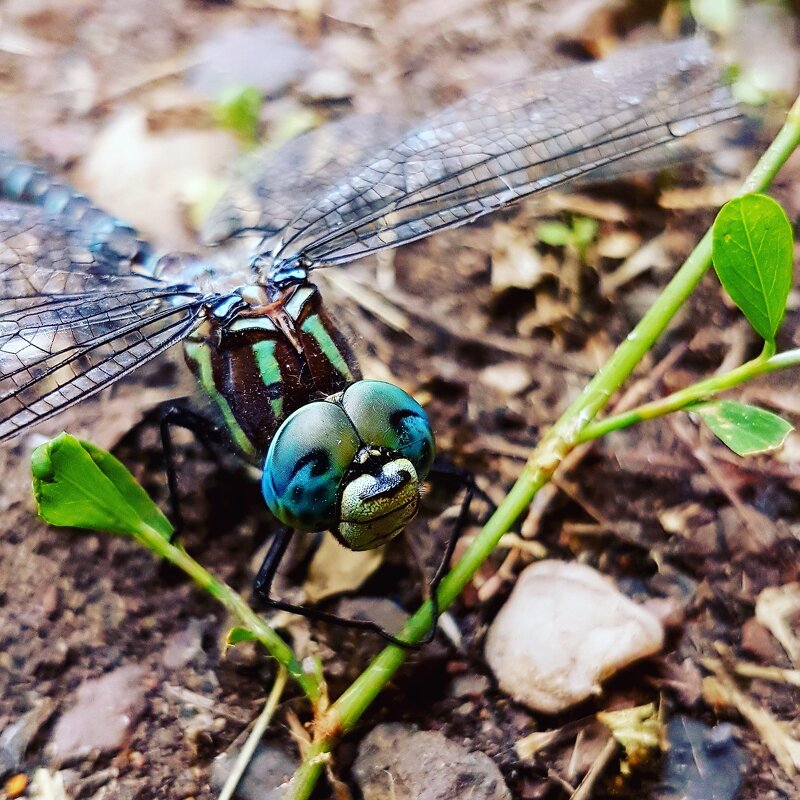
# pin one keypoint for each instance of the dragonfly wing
(68, 325)
(273, 185)
(492, 149)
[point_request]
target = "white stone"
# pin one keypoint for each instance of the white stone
(564, 629)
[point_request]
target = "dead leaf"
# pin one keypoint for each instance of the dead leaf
(335, 569)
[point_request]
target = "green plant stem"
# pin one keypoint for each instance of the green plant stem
(685, 398)
(308, 681)
(546, 457)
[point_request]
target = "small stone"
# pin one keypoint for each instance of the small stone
(183, 646)
(400, 762)
(564, 629)
(509, 378)
(103, 715)
(266, 775)
(264, 56)
(469, 686)
(701, 763)
(16, 737)
(758, 642)
(50, 600)
(326, 85)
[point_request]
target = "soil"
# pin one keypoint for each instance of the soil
(663, 508)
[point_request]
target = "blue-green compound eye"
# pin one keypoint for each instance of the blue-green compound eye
(305, 464)
(385, 416)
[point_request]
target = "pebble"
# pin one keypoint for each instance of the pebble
(564, 629)
(182, 647)
(264, 56)
(403, 763)
(266, 775)
(103, 714)
(469, 686)
(16, 736)
(702, 763)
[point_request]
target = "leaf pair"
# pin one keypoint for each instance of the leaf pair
(753, 251)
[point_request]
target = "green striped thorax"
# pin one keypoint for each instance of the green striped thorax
(338, 453)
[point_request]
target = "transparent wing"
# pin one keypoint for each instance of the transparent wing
(68, 327)
(272, 185)
(499, 146)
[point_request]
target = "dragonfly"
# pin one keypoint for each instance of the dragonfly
(85, 300)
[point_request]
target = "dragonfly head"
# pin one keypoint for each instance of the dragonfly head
(352, 463)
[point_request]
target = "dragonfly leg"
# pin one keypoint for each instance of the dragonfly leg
(266, 575)
(445, 472)
(173, 415)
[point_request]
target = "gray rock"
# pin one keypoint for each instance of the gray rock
(471, 685)
(400, 762)
(702, 763)
(264, 56)
(265, 777)
(103, 715)
(182, 647)
(16, 737)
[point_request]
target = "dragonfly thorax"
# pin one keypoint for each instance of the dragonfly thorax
(259, 360)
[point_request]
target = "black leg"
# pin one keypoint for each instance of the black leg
(442, 472)
(170, 416)
(449, 473)
(263, 584)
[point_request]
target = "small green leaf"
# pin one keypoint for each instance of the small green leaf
(747, 430)
(237, 634)
(556, 234)
(753, 251)
(584, 231)
(76, 484)
(239, 110)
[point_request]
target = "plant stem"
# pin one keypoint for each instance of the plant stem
(308, 681)
(546, 457)
(259, 729)
(684, 398)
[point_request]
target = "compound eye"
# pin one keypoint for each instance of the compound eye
(305, 463)
(385, 416)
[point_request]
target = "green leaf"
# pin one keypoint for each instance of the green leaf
(584, 231)
(752, 251)
(239, 110)
(237, 634)
(77, 485)
(556, 234)
(747, 430)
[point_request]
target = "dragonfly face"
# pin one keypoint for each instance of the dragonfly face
(84, 301)
(352, 464)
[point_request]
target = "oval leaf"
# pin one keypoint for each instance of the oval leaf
(747, 430)
(752, 251)
(77, 485)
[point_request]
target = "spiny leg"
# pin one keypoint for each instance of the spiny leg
(172, 415)
(263, 584)
(448, 473)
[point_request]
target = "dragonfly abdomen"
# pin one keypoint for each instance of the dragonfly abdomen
(259, 363)
(112, 241)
